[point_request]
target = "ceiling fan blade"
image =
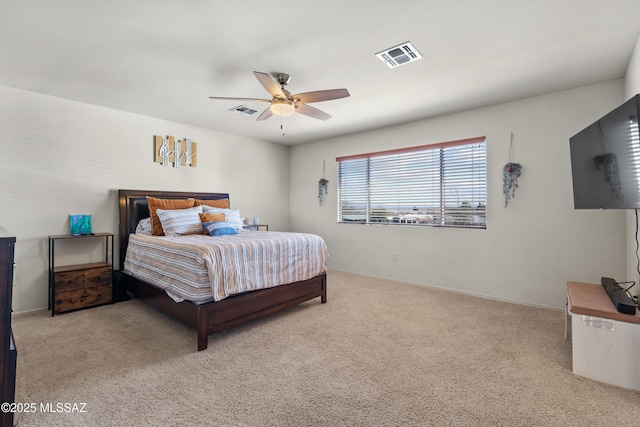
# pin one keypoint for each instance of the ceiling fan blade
(265, 114)
(321, 95)
(269, 84)
(310, 111)
(239, 99)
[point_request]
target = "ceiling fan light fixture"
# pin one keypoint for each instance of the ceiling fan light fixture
(282, 107)
(283, 103)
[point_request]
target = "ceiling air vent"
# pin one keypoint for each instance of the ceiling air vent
(241, 109)
(399, 55)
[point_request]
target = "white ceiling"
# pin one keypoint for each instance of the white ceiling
(164, 58)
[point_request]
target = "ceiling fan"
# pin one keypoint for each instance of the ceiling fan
(284, 104)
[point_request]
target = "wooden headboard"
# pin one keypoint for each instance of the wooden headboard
(134, 207)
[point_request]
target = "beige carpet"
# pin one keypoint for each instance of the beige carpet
(379, 353)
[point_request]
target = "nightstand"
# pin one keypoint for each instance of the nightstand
(72, 287)
(257, 227)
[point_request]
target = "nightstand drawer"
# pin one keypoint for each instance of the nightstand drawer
(82, 287)
(82, 298)
(82, 278)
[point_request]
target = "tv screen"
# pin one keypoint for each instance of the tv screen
(605, 161)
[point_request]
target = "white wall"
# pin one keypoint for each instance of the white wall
(60, 157)
(632, 78)
(632, 87)
(528, 252)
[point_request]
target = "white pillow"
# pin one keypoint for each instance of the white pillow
(176, 222)
(144, 226)
(232, 216)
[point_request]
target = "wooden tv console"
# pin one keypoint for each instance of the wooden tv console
(605, 343)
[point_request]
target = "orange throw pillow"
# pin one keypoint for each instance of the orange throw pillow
(220, 203)
(211, 217)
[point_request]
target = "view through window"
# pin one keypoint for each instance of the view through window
(438, 185)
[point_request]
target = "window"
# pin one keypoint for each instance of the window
(438, 185)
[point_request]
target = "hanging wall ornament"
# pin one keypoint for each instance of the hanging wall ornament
(322, 186)
(510, 174)
(322, 190)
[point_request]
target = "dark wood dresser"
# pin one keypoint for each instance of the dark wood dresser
(8, 353)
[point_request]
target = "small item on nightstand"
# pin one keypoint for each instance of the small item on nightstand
(256, 221)
(80, 224)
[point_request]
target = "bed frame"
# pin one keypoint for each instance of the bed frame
(211, 317)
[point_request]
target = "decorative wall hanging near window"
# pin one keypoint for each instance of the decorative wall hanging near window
(608, 164)
(322, 186)
(169, 152)
(322, 190)
(510, 174)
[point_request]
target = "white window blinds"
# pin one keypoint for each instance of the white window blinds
(442, 185)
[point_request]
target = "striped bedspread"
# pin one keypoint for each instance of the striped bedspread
(202, 268)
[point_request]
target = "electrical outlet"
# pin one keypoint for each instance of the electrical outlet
(395, 256)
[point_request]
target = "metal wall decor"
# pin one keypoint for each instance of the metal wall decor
(510, 174)
(169, 152)
(322, 186)
(322, 190)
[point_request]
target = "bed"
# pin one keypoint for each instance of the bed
(209, 317)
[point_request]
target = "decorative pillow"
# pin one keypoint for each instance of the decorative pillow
(232, 216)
(220, 203)
(181, 221)
(144, 226)
(219, 228)
(155, 204)
(212, 217)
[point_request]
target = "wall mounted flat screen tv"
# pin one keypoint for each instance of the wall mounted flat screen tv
(605, 161)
